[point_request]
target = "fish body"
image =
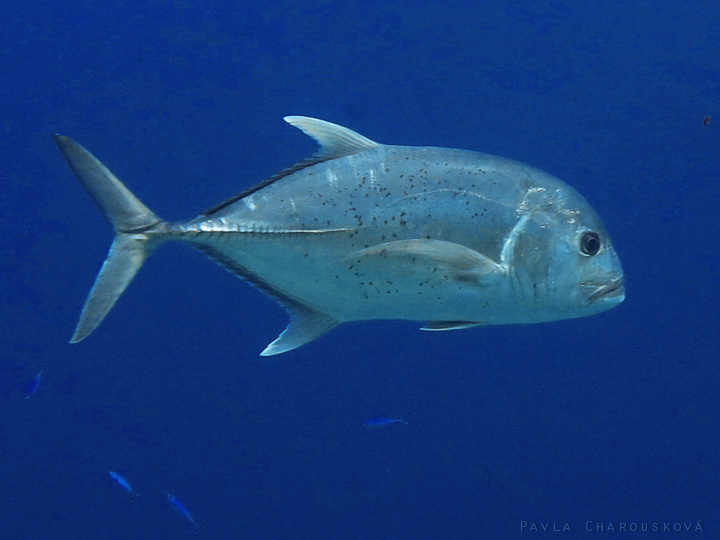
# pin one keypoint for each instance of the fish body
(380, 422)
(33, 385)
(121, 481)
(181, 508)
(365, 231)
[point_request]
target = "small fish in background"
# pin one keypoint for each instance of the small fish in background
(33, 386)
(121, 481)
(381, 422)
(180, 507)
(706, 121)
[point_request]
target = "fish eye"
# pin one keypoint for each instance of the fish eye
(590, 243)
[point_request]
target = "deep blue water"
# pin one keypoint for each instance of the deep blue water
(608, 419)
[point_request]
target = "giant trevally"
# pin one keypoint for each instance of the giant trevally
(363, 230)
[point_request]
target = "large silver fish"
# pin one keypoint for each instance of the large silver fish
(364, 230)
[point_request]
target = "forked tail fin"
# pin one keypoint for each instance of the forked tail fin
(136, 232)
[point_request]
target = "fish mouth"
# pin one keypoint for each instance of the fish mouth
(613, 289)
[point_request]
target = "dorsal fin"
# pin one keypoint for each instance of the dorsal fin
(335, 141)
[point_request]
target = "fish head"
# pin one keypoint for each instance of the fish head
(563, 262)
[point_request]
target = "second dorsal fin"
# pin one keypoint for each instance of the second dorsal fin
(335, 141)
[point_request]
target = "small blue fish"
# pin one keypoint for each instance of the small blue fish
(122, 482)
(380, 422)
(33, 386)
(180, 507)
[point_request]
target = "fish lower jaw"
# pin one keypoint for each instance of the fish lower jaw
(614, 291)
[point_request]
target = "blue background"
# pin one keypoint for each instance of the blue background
(612, 418)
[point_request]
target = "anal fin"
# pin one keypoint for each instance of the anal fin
(305, 325)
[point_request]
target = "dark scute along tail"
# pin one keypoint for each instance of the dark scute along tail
(136, 234)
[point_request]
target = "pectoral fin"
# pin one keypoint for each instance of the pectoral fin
(458, 262)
